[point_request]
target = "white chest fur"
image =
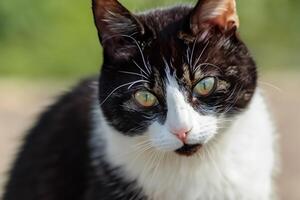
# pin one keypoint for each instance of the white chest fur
(238, 165)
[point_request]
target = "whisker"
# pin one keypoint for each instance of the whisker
(119, 87)
(198, 59)
(140, 149)
(219, 171)
(133, 73)
(188, 51)
(271, 86)
(192, 53)
(234, 100)
(207, 64)
(141, 52)
(140, 68)
(139, 81)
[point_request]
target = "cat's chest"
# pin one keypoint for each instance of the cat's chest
(171, 178)
(167, 176)
(206, 182)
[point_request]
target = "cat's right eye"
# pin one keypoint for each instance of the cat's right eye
(145, 98)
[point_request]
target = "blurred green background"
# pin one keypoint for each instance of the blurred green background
(45, 46)
(57, 38)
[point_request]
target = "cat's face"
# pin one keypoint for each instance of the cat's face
(175, 76)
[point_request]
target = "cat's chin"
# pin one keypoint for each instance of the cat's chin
(188, 149)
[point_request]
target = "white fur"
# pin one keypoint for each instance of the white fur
(235, 164)
(180, 116)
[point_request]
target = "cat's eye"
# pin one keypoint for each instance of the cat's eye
(205, 87)
(145, 98)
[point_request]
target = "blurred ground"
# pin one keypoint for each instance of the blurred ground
(21, 101)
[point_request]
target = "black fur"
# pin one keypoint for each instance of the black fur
(227, 59)
(54, 162)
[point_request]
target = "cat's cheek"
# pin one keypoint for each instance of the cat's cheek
(161, 139)
(202, 137)
(204, 129)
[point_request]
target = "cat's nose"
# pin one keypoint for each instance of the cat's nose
(181, 134)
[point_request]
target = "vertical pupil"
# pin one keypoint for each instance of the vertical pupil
(204, 86)
(146, 97)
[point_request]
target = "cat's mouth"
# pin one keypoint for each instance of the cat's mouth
(188, 150)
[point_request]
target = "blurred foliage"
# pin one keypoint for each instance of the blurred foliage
(57, 38)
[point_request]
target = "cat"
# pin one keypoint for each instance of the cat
(174, 115)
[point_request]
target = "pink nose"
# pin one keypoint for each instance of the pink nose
(181, 134)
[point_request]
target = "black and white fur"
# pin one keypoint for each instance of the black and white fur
(97, 143)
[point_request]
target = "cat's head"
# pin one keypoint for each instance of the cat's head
(176, 75)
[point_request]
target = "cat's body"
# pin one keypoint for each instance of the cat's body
(239, 169)
(175, 115)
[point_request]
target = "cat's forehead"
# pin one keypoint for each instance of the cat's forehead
(169, 45)
(165, 19)
(187, 61)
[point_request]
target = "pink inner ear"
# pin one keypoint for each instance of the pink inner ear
(220, 13)
(227, 20)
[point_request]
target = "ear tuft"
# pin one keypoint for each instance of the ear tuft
(221, 13)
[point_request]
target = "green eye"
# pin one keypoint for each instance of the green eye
(205, 87)
(145, 98)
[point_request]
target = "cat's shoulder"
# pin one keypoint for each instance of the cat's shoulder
(78, 98)
(68, 116)
(58, 139)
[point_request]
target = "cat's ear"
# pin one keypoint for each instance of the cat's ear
(117, 27)
(221, 13)
(113, 19)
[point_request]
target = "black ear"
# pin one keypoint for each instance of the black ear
(117, 27)
(111, 18)
(221, 13)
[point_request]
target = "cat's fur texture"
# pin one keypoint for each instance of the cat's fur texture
(97, 142)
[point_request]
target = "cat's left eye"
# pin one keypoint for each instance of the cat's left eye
(205, 87)
(145, 98)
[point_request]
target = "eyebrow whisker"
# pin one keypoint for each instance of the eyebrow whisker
(207, 64)
(123, 85)
(141, 52)
(199, 57)
(142, 71)
(133, 73)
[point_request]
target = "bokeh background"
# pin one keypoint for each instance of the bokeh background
(47, 46)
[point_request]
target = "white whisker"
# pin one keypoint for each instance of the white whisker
(192, 53)
(207, 64)
(119, 87)
(199, 57)
(139, 81)
(147, 75)
(271, 86)
(141, 52)
(133, 73)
